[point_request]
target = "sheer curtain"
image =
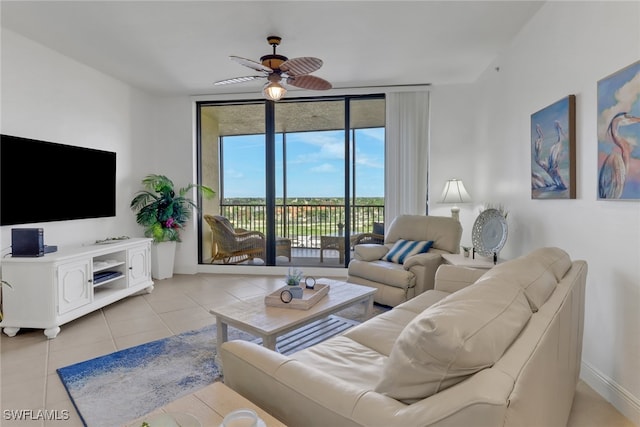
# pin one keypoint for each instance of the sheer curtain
(406, 153)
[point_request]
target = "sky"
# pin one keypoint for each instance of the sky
(315, 164)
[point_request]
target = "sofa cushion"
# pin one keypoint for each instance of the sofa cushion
(346, 359)
(456, 337)
(370, 251)
(553, 259)
(537, 273)
(452, 278)
(382, 272)
(403, 249)
(380, 332)
(378, 228)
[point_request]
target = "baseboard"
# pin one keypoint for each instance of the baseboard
(619, 397)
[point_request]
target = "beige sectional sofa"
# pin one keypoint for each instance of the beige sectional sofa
(484, 348)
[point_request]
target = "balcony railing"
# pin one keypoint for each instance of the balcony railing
(302, 223)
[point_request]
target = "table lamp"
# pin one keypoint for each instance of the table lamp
(454, 192)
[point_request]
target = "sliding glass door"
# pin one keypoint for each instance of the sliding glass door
(311, 193)
(292, 174)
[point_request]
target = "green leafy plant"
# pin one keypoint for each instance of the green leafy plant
(161, 210)
(293, 277)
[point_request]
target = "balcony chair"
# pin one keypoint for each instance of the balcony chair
(376, 236)
(235, 245)
(399, 278)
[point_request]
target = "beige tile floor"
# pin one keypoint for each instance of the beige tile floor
(28, 361)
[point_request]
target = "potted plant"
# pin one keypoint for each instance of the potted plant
(163, 212)
(293, 278)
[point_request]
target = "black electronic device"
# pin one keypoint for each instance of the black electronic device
(27, 242)
(43, 181)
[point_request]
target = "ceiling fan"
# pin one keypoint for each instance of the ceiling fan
(279, 69)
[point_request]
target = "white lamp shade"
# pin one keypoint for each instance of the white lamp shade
(454, 192)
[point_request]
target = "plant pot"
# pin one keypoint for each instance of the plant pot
(296, 291)
(163, 256)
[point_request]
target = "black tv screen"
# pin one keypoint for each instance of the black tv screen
(43, 181)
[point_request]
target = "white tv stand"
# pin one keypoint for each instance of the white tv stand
(54, 289)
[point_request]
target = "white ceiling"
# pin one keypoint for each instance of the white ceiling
(182, 47)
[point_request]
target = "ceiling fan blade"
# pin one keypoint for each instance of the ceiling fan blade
(309, 82)
(237, 80)
(251, 64)
(301, 66)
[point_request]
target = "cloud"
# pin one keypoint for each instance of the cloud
(373, 133)
(626, 96)
(323, 168)
(233, 173)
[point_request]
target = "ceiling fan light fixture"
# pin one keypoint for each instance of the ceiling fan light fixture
(274, 67)
(274, 91)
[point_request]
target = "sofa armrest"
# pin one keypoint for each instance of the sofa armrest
(424, 267)
(370, 252)
(426, 259)
(451, 278)
(291, 391)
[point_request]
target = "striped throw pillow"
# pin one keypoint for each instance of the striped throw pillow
(403, 249)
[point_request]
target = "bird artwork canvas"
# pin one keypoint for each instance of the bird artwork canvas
(619, 135)
(553, 151)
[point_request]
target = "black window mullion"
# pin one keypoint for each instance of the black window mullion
(270, 180)
(347, 179)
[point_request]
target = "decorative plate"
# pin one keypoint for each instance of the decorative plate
(489, 232)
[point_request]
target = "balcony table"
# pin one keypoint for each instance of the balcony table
(335, 241)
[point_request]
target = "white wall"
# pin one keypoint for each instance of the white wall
(174, 125)
(51, 97)
(565, 49)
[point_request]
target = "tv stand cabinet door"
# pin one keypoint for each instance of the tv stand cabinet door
(75, 285)
(139, 265)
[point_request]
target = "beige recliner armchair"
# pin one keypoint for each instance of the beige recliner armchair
(400, 280)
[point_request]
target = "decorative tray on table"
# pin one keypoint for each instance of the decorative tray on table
(309, 297)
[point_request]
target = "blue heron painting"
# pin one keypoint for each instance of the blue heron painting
(619, 134)
(553, 151)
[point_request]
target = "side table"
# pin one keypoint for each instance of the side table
(207, 407)
(477, 262)
(335, 241)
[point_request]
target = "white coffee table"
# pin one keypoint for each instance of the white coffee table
(268, 323)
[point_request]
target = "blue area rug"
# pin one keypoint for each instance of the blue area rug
(120, 387)
(117, 388)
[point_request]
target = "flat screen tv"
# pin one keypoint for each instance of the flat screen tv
(44, 181)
